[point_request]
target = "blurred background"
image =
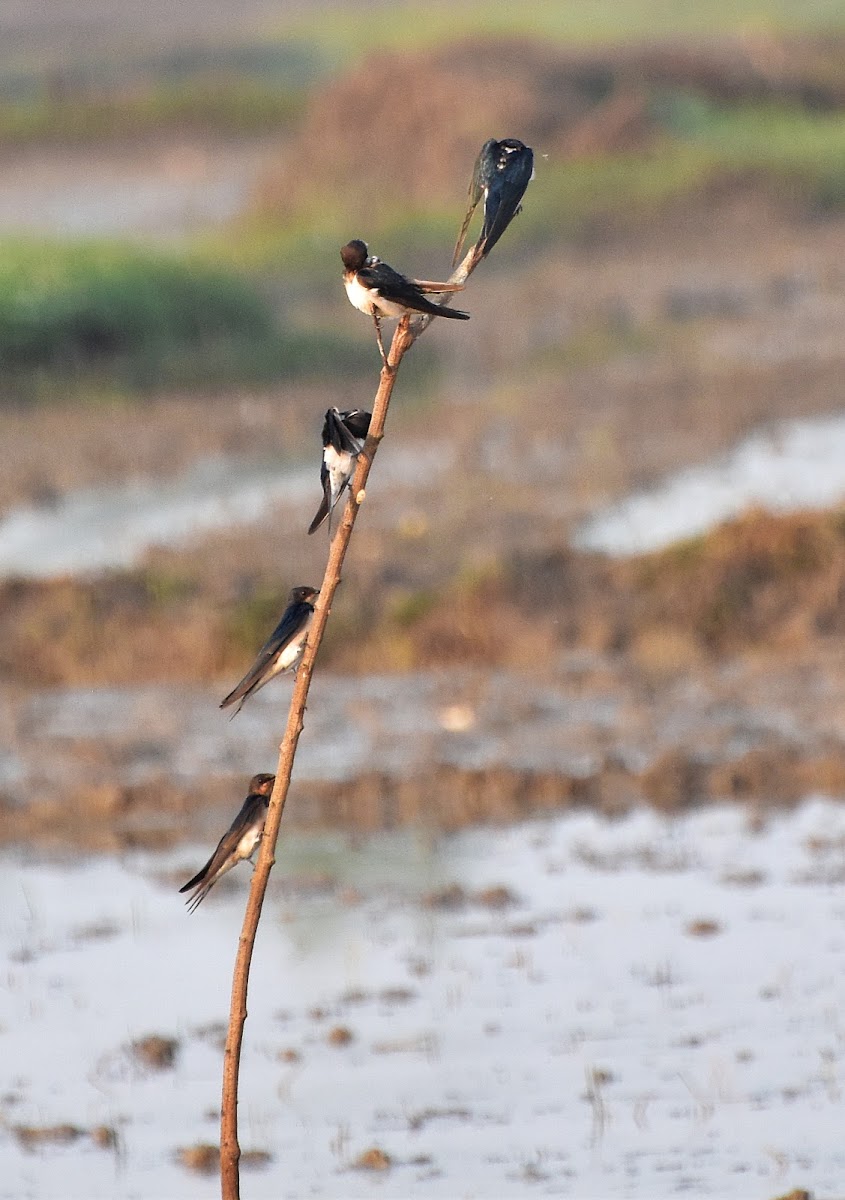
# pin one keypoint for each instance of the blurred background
(599, 575)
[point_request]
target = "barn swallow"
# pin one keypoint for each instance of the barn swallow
(379, 291)
(282, 650)
(343, 440)
(502, 172)
(238, 842)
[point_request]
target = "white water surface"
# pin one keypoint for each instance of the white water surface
(795, 465)
(582, 1042)
(96, 529)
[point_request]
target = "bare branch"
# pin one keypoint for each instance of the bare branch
(230, 1152)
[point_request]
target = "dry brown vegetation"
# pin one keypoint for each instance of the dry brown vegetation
(764, 582)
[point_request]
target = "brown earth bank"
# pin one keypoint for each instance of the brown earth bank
(774, 584)
(785, 744)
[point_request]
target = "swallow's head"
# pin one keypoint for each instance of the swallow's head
(507, 148)
(304, 595)
(261, 785)
(354, 254)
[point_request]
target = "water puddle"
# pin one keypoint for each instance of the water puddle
(99, 528)
(574, 1007)
(107, 527)
(799, 464)
(167, 190)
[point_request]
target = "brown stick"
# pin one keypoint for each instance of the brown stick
(229, 1148)
(406, 334)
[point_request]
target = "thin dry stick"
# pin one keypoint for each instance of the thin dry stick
(406, 334)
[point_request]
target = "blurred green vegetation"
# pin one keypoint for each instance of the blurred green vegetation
(83, 316)
(227, 106)
(236, 90)
(341, 33)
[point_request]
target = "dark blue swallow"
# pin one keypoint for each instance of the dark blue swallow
(240, 840)
(282, 650)
(343, 440)
(503, 170)
(377, 290)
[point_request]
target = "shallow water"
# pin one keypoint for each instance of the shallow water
(583, 1041)
(163, 190)
(795, 465)
(105, 527)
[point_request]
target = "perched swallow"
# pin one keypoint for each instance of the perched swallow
(502, 172)
(343, 441)
(379, 291)
(238, 842)
(282, 650)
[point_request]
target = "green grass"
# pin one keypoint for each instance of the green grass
(228, 106)
(781, 140)
(240, 89)
(346, 33)
(106, 318)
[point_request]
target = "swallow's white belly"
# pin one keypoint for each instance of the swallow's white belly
(339, 466)
(368, 300)
(247, 844)
(291, 653)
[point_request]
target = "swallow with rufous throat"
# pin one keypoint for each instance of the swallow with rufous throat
(502, 172)
(239, 842)
(282, 650)
(344, 434)
(379, 291)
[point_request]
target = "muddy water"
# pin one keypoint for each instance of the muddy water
(164, 190)
(797, 464)
(630, 1009)
(94, 529)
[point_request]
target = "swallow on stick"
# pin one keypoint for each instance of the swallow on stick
(502, 172)
(343, 440)
(282, 650)
(379, 291)
(238, 842)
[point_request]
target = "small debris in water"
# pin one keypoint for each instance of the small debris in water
(203, 1157)
(32, 1136)
(156, 1051)
(373, 1160)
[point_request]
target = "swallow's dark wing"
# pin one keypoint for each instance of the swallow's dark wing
(389, 283)
(200, 875)
(253, 813)
(512, 173)
(337, 433)
(404, 291)
(227, 843)
(357, 421)
(325, 504)
(480, 176)
(293, 621)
